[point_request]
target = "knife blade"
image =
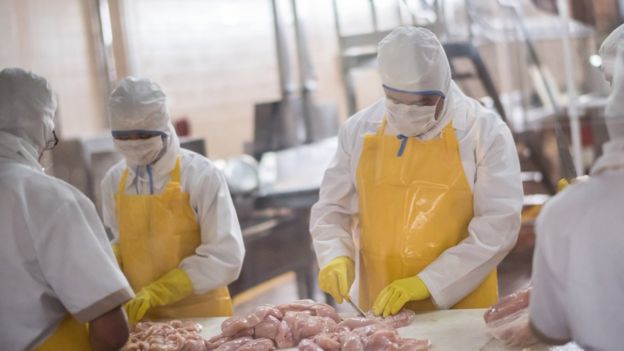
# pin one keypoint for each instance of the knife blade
(356, 307)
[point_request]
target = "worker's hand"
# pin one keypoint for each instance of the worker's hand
(138, 307)
(394, 296)
(337, 276)
(170, 288)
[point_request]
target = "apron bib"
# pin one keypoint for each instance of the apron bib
(413, 207)
(156, 232)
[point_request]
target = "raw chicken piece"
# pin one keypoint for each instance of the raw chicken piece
(244, 332)
(234, 344)
(328, 342)
(216, 341)
(401, 319)
(315, 308)
(383, 340)
(370, 329)
(299, 305)
(359, 322)
(309, 345)
(235, 325)
(304, 326)
(258, 345)
(351, 341)
(508, 305)
(268, 328)
(284, 338)
(291, 316)
(194, 345)
(323, 310)
(414, 345)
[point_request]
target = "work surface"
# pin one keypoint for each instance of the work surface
(451, 330)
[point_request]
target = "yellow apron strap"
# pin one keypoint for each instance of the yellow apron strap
(122, 182)
(175, 174)
(382, 127)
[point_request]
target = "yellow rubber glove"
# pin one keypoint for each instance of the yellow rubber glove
(170, 288)
(337, 277)
(394, 296)
(117, 252)
(562, 184)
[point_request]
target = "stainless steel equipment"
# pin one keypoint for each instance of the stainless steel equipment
(296, 118)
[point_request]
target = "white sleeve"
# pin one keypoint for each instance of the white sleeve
(219, 258)
(546, 309)
(331, 217)
(492, 232)
(109, 214)
(78, 262)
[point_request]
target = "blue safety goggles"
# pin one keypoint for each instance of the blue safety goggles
(137, 133)
(417, 92)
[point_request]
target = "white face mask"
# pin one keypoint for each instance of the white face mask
(410, 120)
(140, 152)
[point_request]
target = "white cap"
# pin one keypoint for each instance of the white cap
(138, 104)
(27, 106)
(411, 59)
(614, 112)
(608, 51)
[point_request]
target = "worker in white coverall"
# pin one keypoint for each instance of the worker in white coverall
(177, 236)
(57, 269)
(424, 191)
(578, 264)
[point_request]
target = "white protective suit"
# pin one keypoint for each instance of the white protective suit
(578, 266)
(488, 156)
(55, 258)
(141, 105)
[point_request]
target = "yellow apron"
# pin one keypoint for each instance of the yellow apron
(70, 335)
(156, 232)
(412, 207)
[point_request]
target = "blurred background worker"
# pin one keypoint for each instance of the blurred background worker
(178, 239)
(578, 266)
(434, 180)
(608, 51)
(56, 266)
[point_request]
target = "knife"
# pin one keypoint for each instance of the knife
(356, 307)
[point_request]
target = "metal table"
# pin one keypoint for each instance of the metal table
(275, 245)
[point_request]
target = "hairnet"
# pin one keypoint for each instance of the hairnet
(614, 112)
(412, 59)
(138, 104)
(608, 50)
(27, 107)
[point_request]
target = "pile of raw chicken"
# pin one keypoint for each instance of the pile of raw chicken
(305, 324)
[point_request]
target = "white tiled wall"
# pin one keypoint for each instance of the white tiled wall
(216, 59)
(49, 38)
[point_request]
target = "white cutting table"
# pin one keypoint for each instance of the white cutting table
(451, 330)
